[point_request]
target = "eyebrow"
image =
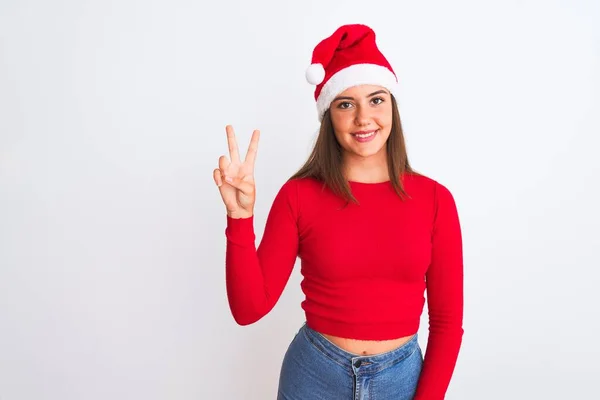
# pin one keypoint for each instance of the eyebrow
(352, 98)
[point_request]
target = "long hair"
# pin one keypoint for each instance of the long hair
(325, 161)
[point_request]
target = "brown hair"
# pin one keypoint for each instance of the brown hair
(325, 161)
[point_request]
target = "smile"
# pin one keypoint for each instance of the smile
(364, 136)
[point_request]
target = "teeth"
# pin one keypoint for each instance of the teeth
(366, 135)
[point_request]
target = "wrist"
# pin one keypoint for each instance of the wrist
(240, 214)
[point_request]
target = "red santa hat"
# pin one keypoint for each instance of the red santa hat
(349, 57)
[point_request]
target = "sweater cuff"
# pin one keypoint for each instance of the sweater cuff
(240, 230)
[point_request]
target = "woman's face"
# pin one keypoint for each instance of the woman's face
(362, 120)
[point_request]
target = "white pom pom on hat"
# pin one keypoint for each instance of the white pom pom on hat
(315, 73)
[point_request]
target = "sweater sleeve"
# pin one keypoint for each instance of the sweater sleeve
(256, 276)
(444, 281)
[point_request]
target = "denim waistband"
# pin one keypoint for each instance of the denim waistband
(367, 363)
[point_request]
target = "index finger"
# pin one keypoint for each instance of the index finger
(232, 144)
(253, 148)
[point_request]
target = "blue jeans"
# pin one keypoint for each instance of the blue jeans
(314, 368)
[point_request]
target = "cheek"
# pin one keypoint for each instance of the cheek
(341, 124)
(384, 118)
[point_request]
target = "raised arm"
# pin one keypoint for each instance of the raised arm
(255, 276)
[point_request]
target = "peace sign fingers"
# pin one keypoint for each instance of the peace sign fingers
(235, 179)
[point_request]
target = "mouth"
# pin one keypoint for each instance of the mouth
(365, 136)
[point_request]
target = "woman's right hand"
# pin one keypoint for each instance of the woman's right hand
(235, 178)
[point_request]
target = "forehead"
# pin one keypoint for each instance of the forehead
(362, 90)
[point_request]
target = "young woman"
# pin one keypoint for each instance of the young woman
(371, 233)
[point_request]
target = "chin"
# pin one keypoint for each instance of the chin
(366, 153)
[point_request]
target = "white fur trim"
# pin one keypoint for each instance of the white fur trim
(357, 74)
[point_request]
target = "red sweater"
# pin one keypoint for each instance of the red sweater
(365, 267)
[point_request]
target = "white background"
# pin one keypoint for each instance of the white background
(112, 117)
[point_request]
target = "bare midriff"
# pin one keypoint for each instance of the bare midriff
(367, 347)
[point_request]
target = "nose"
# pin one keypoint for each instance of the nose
(361, 117)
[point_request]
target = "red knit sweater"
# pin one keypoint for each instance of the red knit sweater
(365, 267)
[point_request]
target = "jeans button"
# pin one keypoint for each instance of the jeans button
(357, 363)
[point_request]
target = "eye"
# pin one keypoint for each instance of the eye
(344, 105)
(377, 100)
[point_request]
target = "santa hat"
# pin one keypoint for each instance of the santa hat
(349, 57)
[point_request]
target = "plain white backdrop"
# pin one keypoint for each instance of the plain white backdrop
(112, 244)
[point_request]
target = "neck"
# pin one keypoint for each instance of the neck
(366, 169)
